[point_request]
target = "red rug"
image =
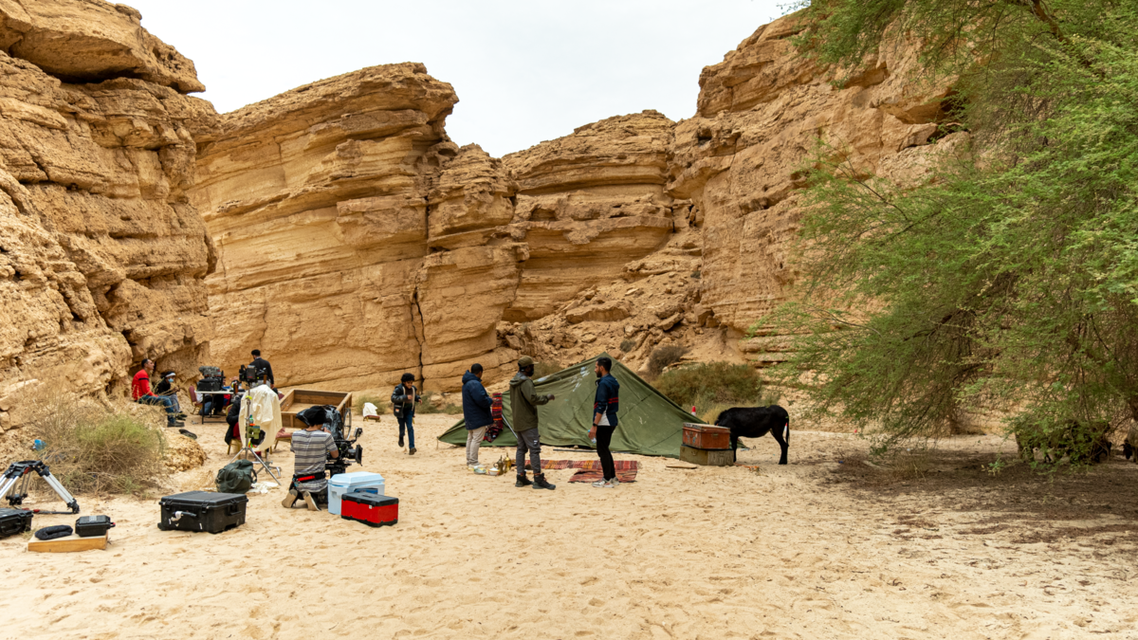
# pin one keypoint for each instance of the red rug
(593, 476)
(588, 465)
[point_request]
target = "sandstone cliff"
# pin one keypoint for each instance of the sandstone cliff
(102, 258)
(356, 242)
(761, 114)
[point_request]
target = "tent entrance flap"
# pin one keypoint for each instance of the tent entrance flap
(649, 423)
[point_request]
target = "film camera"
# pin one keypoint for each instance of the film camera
(252, 376)
(345, 441)
(213, 379)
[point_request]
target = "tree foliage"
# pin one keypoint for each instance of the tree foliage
(1010, 277)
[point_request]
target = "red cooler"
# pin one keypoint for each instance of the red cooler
(369, 508)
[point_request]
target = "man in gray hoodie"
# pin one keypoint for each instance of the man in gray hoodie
(523, 404)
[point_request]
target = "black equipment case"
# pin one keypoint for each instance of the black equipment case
(13, 521)
(88, 526)
(210, 384)
(202, 511)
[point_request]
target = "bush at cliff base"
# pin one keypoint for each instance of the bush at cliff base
(650, 423)
(90, 447)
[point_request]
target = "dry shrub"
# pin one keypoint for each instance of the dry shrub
(627, 345)
(542, 369)
(431, 404)
(662, 357)
(714, 387)
(91, 447)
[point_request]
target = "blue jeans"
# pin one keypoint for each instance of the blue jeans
(164, 400)
(405, 424)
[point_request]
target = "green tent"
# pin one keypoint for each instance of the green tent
(649, 423)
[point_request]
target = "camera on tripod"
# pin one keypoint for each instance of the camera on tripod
(213, 379)
(252, 376)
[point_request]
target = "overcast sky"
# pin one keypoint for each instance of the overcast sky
(523, 71)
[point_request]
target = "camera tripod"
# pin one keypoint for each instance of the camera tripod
(247, 447)
(21, 472)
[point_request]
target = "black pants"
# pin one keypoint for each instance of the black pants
(604, 439)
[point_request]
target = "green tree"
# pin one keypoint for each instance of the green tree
(1010, 277)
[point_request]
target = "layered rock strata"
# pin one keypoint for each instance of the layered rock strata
(102, 258)
(762, 113)
(356, 242)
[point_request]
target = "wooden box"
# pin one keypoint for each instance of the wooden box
(707, 457)
(706, 436)
(298, 400)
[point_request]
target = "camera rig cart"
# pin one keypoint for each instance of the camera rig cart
(20, 472)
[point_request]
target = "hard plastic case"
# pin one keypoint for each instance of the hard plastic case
(202, 511)
(369, 508)
(13, 521)
(88, 526)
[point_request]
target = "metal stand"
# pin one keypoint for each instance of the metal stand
(247, 446)
(20, 472)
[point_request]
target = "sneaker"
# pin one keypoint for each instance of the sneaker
(400, 442)
(310, 502)
(599, 483)
(290, 499)
(614, 482)
(411, 451)
(610, 484)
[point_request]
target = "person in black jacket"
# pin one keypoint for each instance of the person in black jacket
(262, 367)
(403, 401)
(605, 405)
(475, 412)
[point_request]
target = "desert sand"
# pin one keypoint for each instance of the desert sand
(825, 547)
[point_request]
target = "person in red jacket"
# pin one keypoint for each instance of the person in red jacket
(140, 392)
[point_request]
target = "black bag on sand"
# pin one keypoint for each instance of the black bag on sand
(51, 533)
(236, 477)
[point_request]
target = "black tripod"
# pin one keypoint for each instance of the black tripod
(21, 472)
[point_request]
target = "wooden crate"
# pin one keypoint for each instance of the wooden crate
(706, 436)
(706, 457)
(298, 400)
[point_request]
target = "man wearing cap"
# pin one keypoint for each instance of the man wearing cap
(312, 446)
(523, 402)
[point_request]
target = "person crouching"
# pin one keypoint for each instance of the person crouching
(310, 446)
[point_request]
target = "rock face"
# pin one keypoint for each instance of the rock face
(102, 258)
(356, 242)
(760, 114)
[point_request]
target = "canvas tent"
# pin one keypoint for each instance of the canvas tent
(649, 423)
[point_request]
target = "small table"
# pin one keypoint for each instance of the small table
(202, 395)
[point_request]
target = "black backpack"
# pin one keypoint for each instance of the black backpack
(236, 477)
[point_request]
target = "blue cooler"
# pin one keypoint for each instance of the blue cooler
(341, 483)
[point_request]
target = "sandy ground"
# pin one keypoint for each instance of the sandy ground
(826, 547)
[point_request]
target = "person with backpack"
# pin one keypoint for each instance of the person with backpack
(403, 401)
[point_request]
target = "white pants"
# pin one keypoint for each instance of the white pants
(473, 442)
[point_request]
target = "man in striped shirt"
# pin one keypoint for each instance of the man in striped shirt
(311, 447)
